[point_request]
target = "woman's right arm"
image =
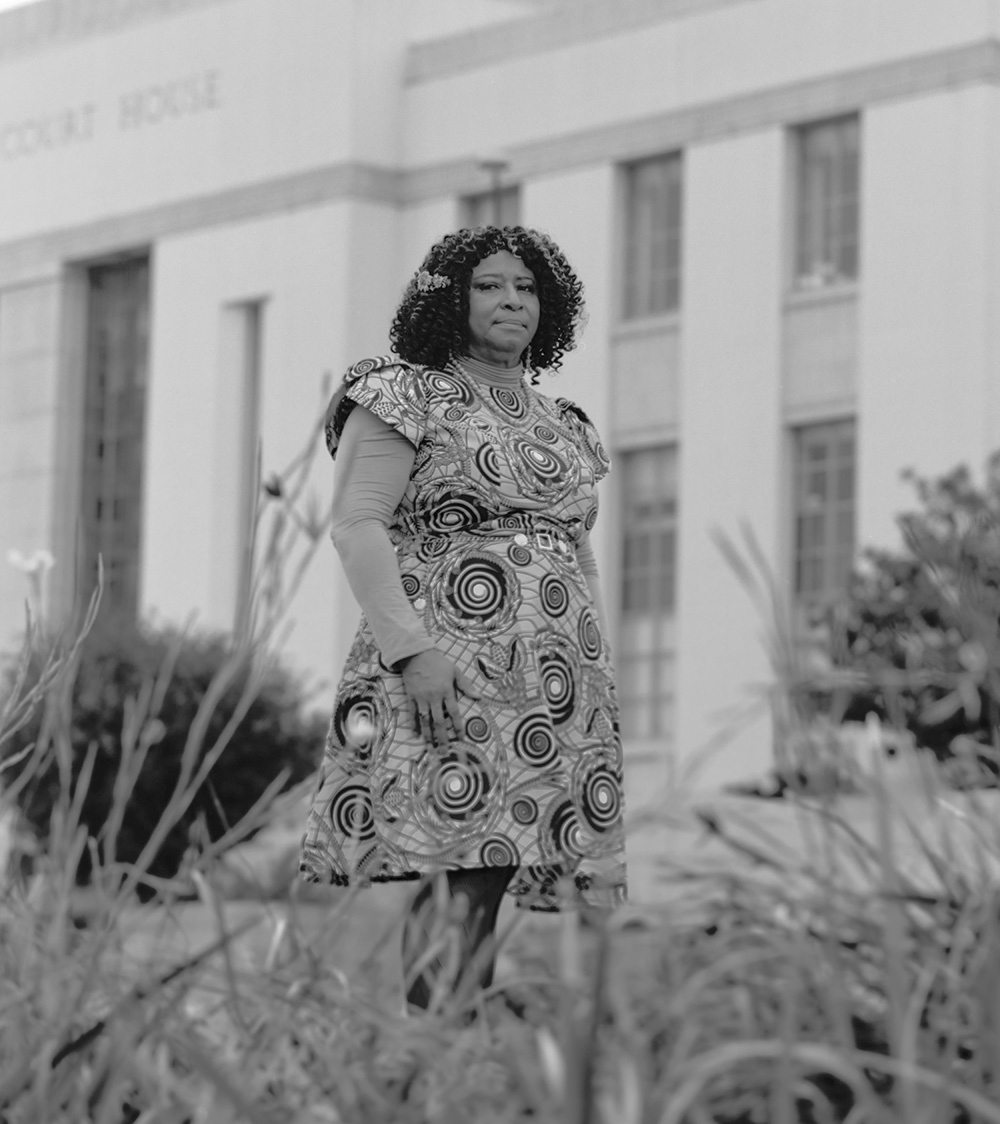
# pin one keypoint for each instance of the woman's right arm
(374, 462)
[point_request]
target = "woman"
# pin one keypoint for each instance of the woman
(475, 729)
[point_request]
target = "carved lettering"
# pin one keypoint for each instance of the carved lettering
(180, 97)
(137, 109)
(44, 134)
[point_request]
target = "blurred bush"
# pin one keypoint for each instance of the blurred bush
(160, 676)
(920, 625)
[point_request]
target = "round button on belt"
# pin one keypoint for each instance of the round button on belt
(521, 539)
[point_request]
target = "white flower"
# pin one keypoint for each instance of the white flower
(38, 563)
(426, 281)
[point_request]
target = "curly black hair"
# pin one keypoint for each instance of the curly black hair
(431, 326)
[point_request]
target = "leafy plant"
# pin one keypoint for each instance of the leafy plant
(275, 738)
(921, 624)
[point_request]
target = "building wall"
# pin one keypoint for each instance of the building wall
(929, 296)
(720, 52)
(306, 267)
(30, 406)
(730, 441)
(251, 95)
(310, 163)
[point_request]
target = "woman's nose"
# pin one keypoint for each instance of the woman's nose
(512, 297)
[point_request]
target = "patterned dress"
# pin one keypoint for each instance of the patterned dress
(502, 488)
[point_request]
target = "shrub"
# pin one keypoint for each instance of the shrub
(920, 625)
(118, 667)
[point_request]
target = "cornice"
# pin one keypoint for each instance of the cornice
(976, 63)
(27, 257)
(796, 102)
(49, 23)
(564, 24)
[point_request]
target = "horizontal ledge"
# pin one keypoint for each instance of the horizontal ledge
(979, 62)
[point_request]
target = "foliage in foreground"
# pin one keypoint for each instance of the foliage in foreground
(853, 977)
(805, 986)
(274, 742)
(819, 983)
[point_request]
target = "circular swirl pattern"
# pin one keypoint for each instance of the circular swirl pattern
(449, 388)
(455, 512)
(459, 785)
(511, 523)
(509, 401)
(519, 555)
(542, 462)
(411, 584)
(600, 798)
(364, 366)
(432, 546)
(524, 810)
(544, 433)
(477, 729)
(488, 463)
(351, 812)
(354, 723)
(589, 635)
(558, 686)
(477, 588)
(555, 595)
(498, 850)
(563, 830)
(590, 518)
(535, 741)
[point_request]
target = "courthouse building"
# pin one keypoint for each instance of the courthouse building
(786, 215)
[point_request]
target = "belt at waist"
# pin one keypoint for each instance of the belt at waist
(522, 530)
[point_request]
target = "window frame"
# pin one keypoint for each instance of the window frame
(114, 386)
(818, 232)
(646, 624)
(831, 560)
(641, 276)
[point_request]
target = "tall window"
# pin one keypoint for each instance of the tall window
(653, 236)
(646, 681)
(824, 509)
(114, 430)
(501, 207)
(827, 197)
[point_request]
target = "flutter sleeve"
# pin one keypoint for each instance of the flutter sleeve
(387, 388)
(588, 439)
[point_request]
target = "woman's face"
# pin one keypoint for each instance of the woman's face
(503, 309)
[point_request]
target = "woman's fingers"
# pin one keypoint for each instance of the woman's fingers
(439, 722)
(464, 684)
(434, 685)
(430, 720)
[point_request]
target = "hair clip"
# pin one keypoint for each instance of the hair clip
(427, 281)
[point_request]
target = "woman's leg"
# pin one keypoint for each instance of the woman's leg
(478, 892)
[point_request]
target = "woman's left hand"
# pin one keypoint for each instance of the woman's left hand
(432, 682)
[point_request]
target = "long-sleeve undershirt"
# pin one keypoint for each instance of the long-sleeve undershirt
(374, 462)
